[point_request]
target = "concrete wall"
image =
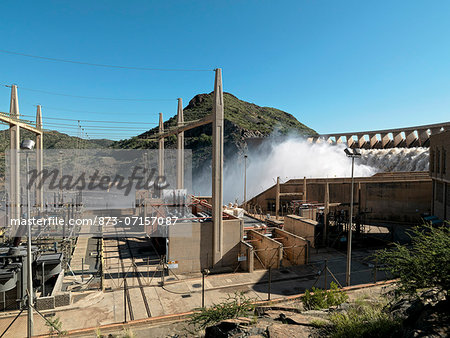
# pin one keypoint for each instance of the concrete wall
(246, 251)
(191, 245)
(267, 252)
(302, 227)
(57, 297)
(400, 202)
(440, 173)
(385, 197)
(295, 248)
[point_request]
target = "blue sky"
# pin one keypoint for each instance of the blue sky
(335, 65)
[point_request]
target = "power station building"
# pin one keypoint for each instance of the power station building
(439, 172)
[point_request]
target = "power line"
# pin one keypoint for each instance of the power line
(86, 111)
(104, 65)
(92, 126)
(87, 97)
(92, 121)
(111, 130)
(90, 133)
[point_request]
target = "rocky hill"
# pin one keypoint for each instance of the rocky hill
(243, 121)
(52, 140)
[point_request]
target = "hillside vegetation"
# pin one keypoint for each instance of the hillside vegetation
(243, 121)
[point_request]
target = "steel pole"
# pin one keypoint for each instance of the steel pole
(245, 179)
(29, 259)
(349, 234)
(203, 289)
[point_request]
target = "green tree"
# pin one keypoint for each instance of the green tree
(423, 264)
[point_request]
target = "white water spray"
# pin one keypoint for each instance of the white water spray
(293, 157)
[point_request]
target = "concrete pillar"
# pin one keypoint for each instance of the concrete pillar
(361, 141)
(14, 137)
(385, 141)
(410, 139)
(423, 136)
(180, 147)
(339, 139)
(373, 140)
(350, 140)
(277, 198)
(326, 210)
(304, 189)
(358, 224)
(39, 157)
(217, 167)
(161, 147)
(398, 139)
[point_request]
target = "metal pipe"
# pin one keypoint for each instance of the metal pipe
(43, 280)
(125, 299)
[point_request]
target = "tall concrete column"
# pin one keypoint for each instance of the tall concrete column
(326, 210)
(180, 147)
(217, 167)
(14, 137)
(161, 147)
(39, 157)
(304, 189)
(277, 198)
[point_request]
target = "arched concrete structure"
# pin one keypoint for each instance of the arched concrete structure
(418, 136)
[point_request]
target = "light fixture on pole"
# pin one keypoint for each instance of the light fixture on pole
(350, 153)
(28, 145)
(245, 179)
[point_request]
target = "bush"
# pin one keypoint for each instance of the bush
(55, 327)
(363, 320)
(322, 299)
(235, 306)
(425, 264)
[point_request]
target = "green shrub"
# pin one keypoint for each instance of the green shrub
(335, 296)
(363, 320)
(235, 306)
(55, 327)
(425, 264)
(322, 299)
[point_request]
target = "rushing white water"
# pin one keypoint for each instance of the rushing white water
(396, 159)
(294, 157)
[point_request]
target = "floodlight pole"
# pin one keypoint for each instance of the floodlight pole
(29, 258)
(245, 179)
(349, 234)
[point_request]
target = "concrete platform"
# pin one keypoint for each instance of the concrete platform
(95, 308)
